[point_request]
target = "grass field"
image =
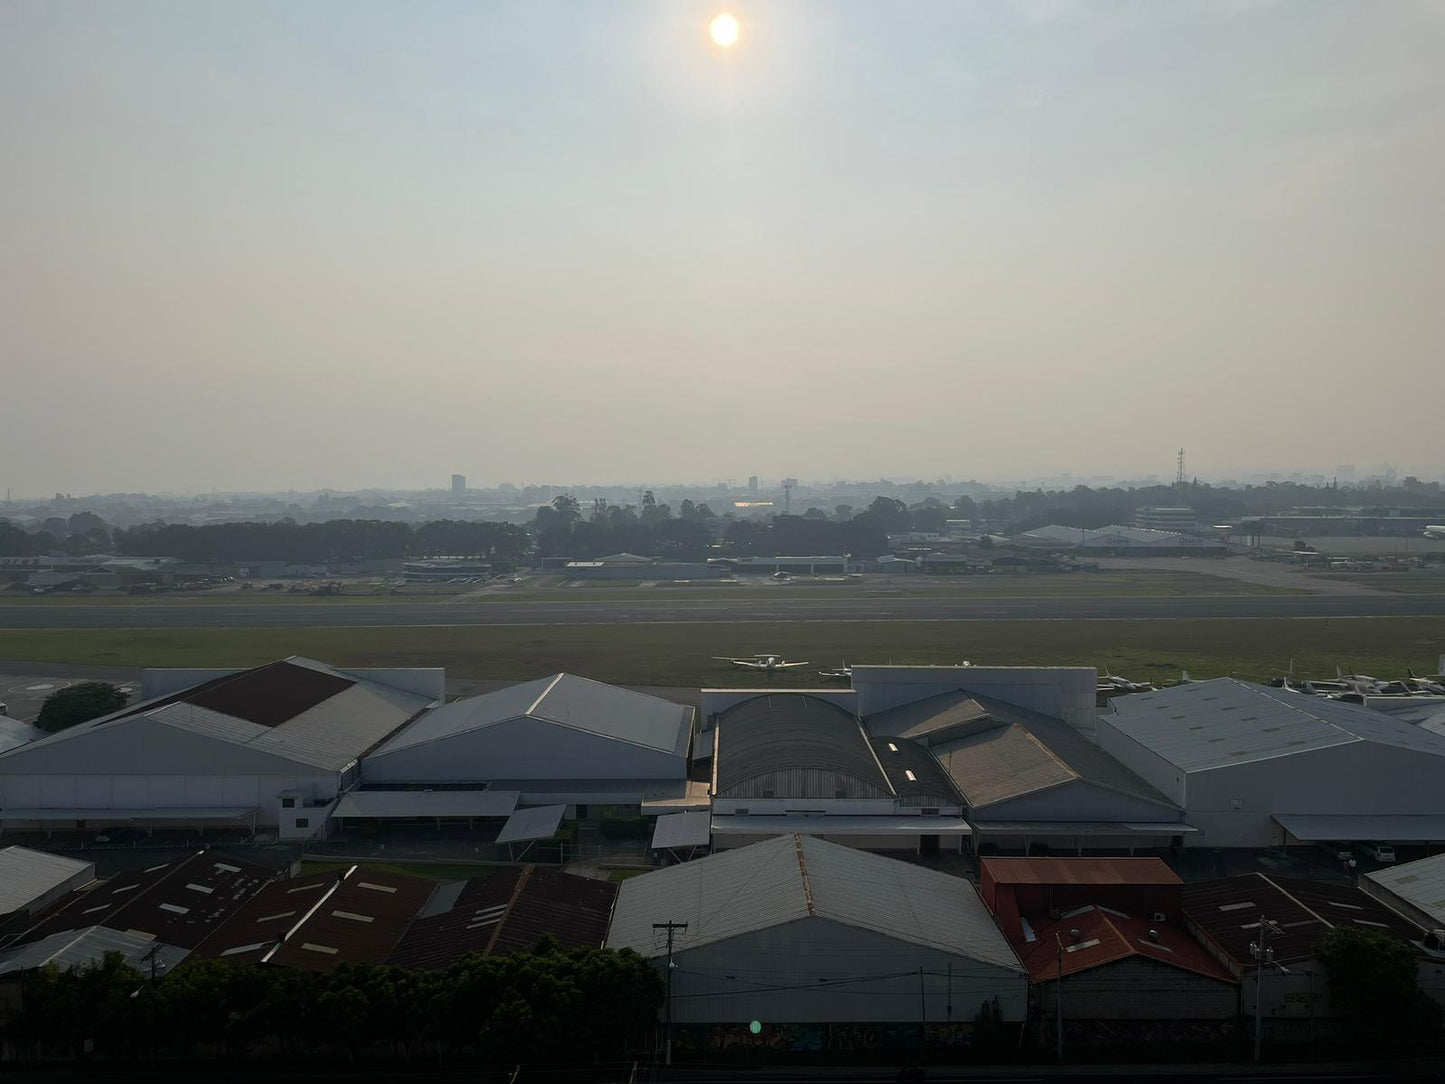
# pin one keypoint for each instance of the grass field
(434, 871)
(679, 653)
(1410, 583)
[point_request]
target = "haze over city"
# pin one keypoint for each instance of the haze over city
(278, 245)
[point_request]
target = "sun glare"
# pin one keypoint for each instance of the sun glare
(724, 30)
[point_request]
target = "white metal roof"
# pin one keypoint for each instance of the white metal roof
(796, 877)
(1399, 827)
(385, 804)
(566, 700)
(692, 829)
(1212, 724)
(1420, 884)
(26, 875)
(87, 948)
(330, 734)
(537, 822)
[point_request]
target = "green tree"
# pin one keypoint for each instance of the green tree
(1375, 987)
(79, 704)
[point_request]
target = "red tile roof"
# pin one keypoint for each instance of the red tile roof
(1106, 935)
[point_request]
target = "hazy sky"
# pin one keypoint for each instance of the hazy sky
(254, 245)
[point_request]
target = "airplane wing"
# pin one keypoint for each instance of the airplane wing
(725, 658)
(748, 664)
(788, 665)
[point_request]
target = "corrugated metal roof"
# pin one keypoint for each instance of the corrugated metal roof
(329, 733)
(795, 877)
(933, 717)
(539, 822)
(841, 825)
(87, 947)
(794, 732)
(569, 701)
(386, 804)
(1105, 936)
(1079, 871)
(26, 875)
(1213, 724)
(999, 763)
(693, 829)
(1420, 884)
(1229, 910)
(916, 777)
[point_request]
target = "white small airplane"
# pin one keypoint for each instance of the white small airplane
(1108, 683)
(769, 663)
(842, 673)
(1435, 530)
(1424, 685)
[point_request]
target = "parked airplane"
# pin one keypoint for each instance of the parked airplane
(1436, 530)
(1424, 685)
(842, 673)
(1111, 684)
(765, 662)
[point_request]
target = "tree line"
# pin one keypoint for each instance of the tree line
(546, 1005)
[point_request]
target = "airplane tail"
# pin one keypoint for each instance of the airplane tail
(1184, 678)
(1411, 673)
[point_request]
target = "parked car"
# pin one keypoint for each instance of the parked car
(1380, 852)
(1340, 852)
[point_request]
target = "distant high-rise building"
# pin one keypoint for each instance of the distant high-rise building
(459, 484)
(753, 486)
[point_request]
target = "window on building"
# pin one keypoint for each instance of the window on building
(303, 822)
(288, 803)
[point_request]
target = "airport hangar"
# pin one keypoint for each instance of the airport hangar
(1255, 766)
(796, 929)
(274, 745)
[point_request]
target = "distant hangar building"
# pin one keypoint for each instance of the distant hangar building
(274, 745)
(800, 930)
(1255, 766)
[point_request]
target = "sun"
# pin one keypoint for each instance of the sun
(724, 30)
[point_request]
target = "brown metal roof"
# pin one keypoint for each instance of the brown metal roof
(930, 784)
(1079, 871)
(1228, 911)
(178, 903)
(269, 695)
(510, 911)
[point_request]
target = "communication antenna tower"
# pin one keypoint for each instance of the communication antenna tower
(1179, 477)
(787, 497)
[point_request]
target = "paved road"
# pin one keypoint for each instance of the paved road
(604, 612)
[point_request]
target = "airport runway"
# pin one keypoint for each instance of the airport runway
(604, 612)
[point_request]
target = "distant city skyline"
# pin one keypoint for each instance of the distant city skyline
(351, 243)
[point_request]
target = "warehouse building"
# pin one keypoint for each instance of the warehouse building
(1415, 889)
(794, 762)
(1128, 541)
(797, 929)
(1254, 766)
(1030, 780)
(558, 740)
(274, 745)
(1111, 933)
(32, 880)
(1225, 915)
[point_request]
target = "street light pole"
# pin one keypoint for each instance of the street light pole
(1263, 954)
(1059, 997)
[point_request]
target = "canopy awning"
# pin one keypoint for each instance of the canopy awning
(169, 813)
(1081, 828)
(395, 804)
(538, 822)
(683, 830)
(751, 825)
(1349, 827)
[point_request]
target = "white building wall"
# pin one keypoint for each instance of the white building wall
(145, 791)
(1232, 806)
(1148, 765)
(832, 807)
(814, 967)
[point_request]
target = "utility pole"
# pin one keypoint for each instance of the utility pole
(922, 1015)
(671, 928)
(1263, 954)
(1059, 998)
